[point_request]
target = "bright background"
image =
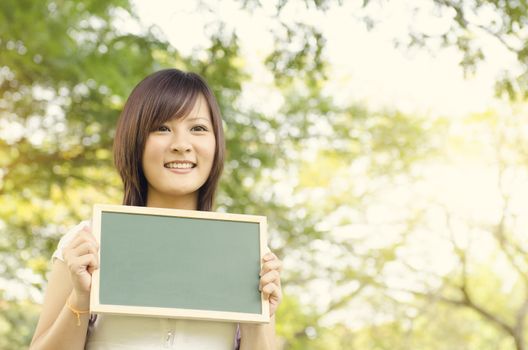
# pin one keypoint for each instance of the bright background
(386, 141)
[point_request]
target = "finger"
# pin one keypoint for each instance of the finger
(86, 261)
(82, 237)
(75, 242)
(90, 261)
(91, 269)
(93, 265)
(78, 240)
(271, 265)
(271, 290)
(85, 248)
(271, 277)
(276, 297)
(86, 232)
(269, 256)
(82, 263)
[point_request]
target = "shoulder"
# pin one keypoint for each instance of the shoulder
(67, 238)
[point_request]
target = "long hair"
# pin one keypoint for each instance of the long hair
(161, 96)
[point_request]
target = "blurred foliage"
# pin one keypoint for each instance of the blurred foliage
(315, 169)
(469, 21)
(17, 323)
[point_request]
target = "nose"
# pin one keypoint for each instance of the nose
(180, 144)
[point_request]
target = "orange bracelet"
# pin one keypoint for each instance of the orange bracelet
(76, 312)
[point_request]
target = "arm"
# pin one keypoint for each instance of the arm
(70, 280)
(258, 336)
(262, 336)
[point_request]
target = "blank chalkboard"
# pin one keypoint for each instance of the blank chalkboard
(179, 263)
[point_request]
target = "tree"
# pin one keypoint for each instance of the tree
(62, 85)
(66, 68)
(438, 270)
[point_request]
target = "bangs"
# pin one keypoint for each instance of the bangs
(168, 98)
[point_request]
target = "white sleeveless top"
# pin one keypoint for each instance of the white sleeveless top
(117, 332)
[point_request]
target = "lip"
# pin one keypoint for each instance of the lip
(180, 171)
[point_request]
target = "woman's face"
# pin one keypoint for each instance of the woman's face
(178, 157)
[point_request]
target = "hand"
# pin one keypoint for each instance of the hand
(82, 260)
(270, 283)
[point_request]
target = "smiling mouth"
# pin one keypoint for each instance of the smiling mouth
(179, 165)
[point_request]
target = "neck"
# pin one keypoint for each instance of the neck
(188, 202)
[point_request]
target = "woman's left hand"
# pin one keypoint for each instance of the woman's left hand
(270, 283)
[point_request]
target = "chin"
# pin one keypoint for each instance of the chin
(183, 192)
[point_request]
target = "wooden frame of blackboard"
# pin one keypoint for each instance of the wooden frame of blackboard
(96, 306)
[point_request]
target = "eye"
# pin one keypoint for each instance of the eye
(199, 128)
(162, 128)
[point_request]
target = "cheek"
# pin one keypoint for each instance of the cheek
(153, 148)
(208, 148)
(150, 154)
(212, 146)
(211, 150)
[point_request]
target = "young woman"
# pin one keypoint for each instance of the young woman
(169, 151)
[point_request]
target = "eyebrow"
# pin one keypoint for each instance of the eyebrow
(197, 118)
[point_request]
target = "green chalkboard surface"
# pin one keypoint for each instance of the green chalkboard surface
(179, 263)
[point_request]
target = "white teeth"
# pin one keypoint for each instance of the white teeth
(179, 165)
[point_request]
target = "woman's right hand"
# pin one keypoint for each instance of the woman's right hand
(81, 258)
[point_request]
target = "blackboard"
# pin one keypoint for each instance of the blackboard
(178, 263)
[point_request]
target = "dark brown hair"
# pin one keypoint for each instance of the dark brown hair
(161, 96)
